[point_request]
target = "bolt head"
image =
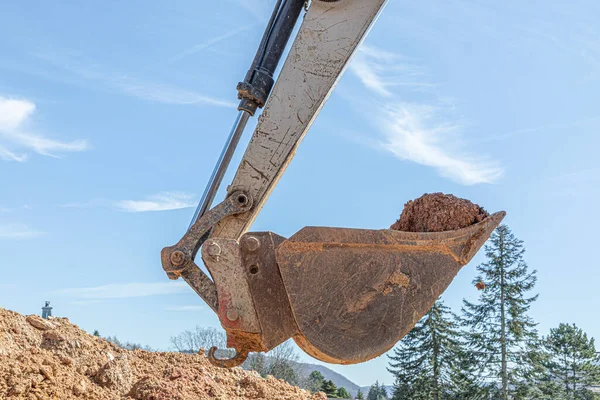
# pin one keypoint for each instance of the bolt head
(213, 249)
(177, 258)
(251, 243)
(232, 314)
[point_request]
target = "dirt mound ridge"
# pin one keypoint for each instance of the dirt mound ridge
(54, 359)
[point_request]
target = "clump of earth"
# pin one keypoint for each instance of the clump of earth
(54, 359)
(438, 212)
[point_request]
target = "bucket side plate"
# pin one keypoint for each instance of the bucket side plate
(355, 293)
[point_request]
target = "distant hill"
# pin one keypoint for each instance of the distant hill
(339, 379)
(304, 369)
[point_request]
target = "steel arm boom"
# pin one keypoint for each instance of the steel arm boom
(327, 39)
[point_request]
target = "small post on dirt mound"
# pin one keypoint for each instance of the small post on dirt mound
(46, 310)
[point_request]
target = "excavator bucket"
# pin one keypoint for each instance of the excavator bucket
(354, 293)
(344, 295)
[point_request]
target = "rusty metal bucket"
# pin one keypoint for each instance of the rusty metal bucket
(354, 293)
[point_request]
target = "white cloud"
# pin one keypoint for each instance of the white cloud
(18, 231)
(421, 133)
(16, 139)
(167, 94)
(380, 71)
(185, 308)
(411, 133)
(126, 290)
(164, 201)
(130, 86)
(209, 43)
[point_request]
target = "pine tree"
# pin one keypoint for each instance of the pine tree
(377, 392)
(464, 384)
(329, 388)
(342, 393)
(360, 395)
(573, 364)
(315, 381)
(500, 332)
(425, 361)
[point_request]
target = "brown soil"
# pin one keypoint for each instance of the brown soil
(438, 212)
(56, 360)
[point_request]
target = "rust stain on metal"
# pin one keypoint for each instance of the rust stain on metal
(391, 279)
(396, 279)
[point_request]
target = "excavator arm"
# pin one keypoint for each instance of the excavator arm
(344, 295)
(329, 36)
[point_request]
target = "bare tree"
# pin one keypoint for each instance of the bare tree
(281, 362)
(127, 345)
(199, 338)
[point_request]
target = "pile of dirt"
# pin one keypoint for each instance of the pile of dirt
(438, 212)
(54, 359)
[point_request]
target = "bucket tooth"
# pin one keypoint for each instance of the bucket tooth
(354, 293)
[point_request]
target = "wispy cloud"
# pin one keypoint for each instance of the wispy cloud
(131, 86)
(164, 201)
(17, 140)
(417, 132)
(166, 93)
(185, 308)
(381, 71)
(209, 43)
(413, 134)
(125, 290)
(18, 231)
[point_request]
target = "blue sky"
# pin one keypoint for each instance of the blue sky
(112, 115)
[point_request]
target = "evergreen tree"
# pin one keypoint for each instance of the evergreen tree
(315, 381)
(377, 392)
(360, 395)
(500, 333)
(329, 388)
(464, 384)
(96, 333)
(573, 363)
(425, 361)
(342, 393)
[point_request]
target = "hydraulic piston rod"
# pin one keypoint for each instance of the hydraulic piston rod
(255, 90)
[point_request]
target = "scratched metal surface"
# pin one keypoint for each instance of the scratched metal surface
(355, 293)
(328, 37)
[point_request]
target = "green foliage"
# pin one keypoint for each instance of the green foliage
(500, 333)
(342, 393)
(360, 395)
(377, 392)
(572, 362)
(329, 388)
(315, 381)
(96, 333)
(429, 362)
